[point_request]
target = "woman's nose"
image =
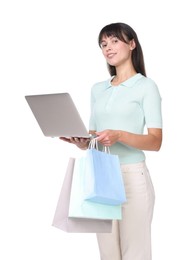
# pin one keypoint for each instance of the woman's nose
(109, 47)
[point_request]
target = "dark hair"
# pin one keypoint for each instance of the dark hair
(124, 33)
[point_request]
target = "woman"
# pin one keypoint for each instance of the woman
(121, 108)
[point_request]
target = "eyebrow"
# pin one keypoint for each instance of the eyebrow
(102, 41)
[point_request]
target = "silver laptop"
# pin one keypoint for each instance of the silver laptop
(57, 115)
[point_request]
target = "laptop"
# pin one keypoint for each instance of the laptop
(57, 115)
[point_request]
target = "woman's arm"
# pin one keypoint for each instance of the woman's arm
(151, 141)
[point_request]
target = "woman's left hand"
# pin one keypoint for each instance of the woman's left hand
(108, 137)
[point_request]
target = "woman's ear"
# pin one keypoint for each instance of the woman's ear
(132, 44)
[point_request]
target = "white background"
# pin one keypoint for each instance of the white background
(51, 46)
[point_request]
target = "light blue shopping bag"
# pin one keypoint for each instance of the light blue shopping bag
(81, 208)
(103, 180)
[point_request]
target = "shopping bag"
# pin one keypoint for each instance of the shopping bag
(75, 225)
(79, 207)
(104, 182)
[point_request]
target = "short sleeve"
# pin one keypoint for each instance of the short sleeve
(152, 106)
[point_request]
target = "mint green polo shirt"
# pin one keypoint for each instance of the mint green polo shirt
(130, 106)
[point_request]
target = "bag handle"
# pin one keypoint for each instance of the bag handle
(94, 145)
(106, 149)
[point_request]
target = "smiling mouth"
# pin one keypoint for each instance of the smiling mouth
(111, 55)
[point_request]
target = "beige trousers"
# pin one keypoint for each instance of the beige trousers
(131, 237)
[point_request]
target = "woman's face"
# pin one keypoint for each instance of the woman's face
(115, 51)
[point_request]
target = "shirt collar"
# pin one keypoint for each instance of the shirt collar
(127, 83)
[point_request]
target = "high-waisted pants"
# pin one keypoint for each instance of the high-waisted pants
(131, 237)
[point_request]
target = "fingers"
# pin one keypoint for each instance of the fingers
(79, 140)
(100, 136)
(106, 137)
(75, 139)
(81, 143)
(104, 140)
(65, 139)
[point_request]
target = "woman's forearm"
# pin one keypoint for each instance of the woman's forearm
(151, 141)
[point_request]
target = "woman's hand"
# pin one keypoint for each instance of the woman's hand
(81, 143)
(108, 137)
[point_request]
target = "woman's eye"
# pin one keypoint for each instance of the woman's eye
(103, 45)
(115, 40)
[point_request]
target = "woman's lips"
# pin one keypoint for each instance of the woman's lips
(110, 55)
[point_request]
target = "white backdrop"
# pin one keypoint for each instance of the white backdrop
(51, 46)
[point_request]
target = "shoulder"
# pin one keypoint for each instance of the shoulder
(102, 84)
(100, 87)
(147, 82)
(148, 85)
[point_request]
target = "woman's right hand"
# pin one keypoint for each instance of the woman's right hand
(81, 143)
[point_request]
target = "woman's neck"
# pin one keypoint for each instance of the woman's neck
(123, 73)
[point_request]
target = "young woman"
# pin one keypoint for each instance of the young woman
(121, 107)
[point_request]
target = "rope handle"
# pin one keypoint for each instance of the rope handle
(106, 149)
(94, 145)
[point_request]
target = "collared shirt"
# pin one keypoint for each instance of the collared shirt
(130, 106)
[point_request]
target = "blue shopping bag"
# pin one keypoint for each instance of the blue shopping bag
(103, 179)
(81, 208)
